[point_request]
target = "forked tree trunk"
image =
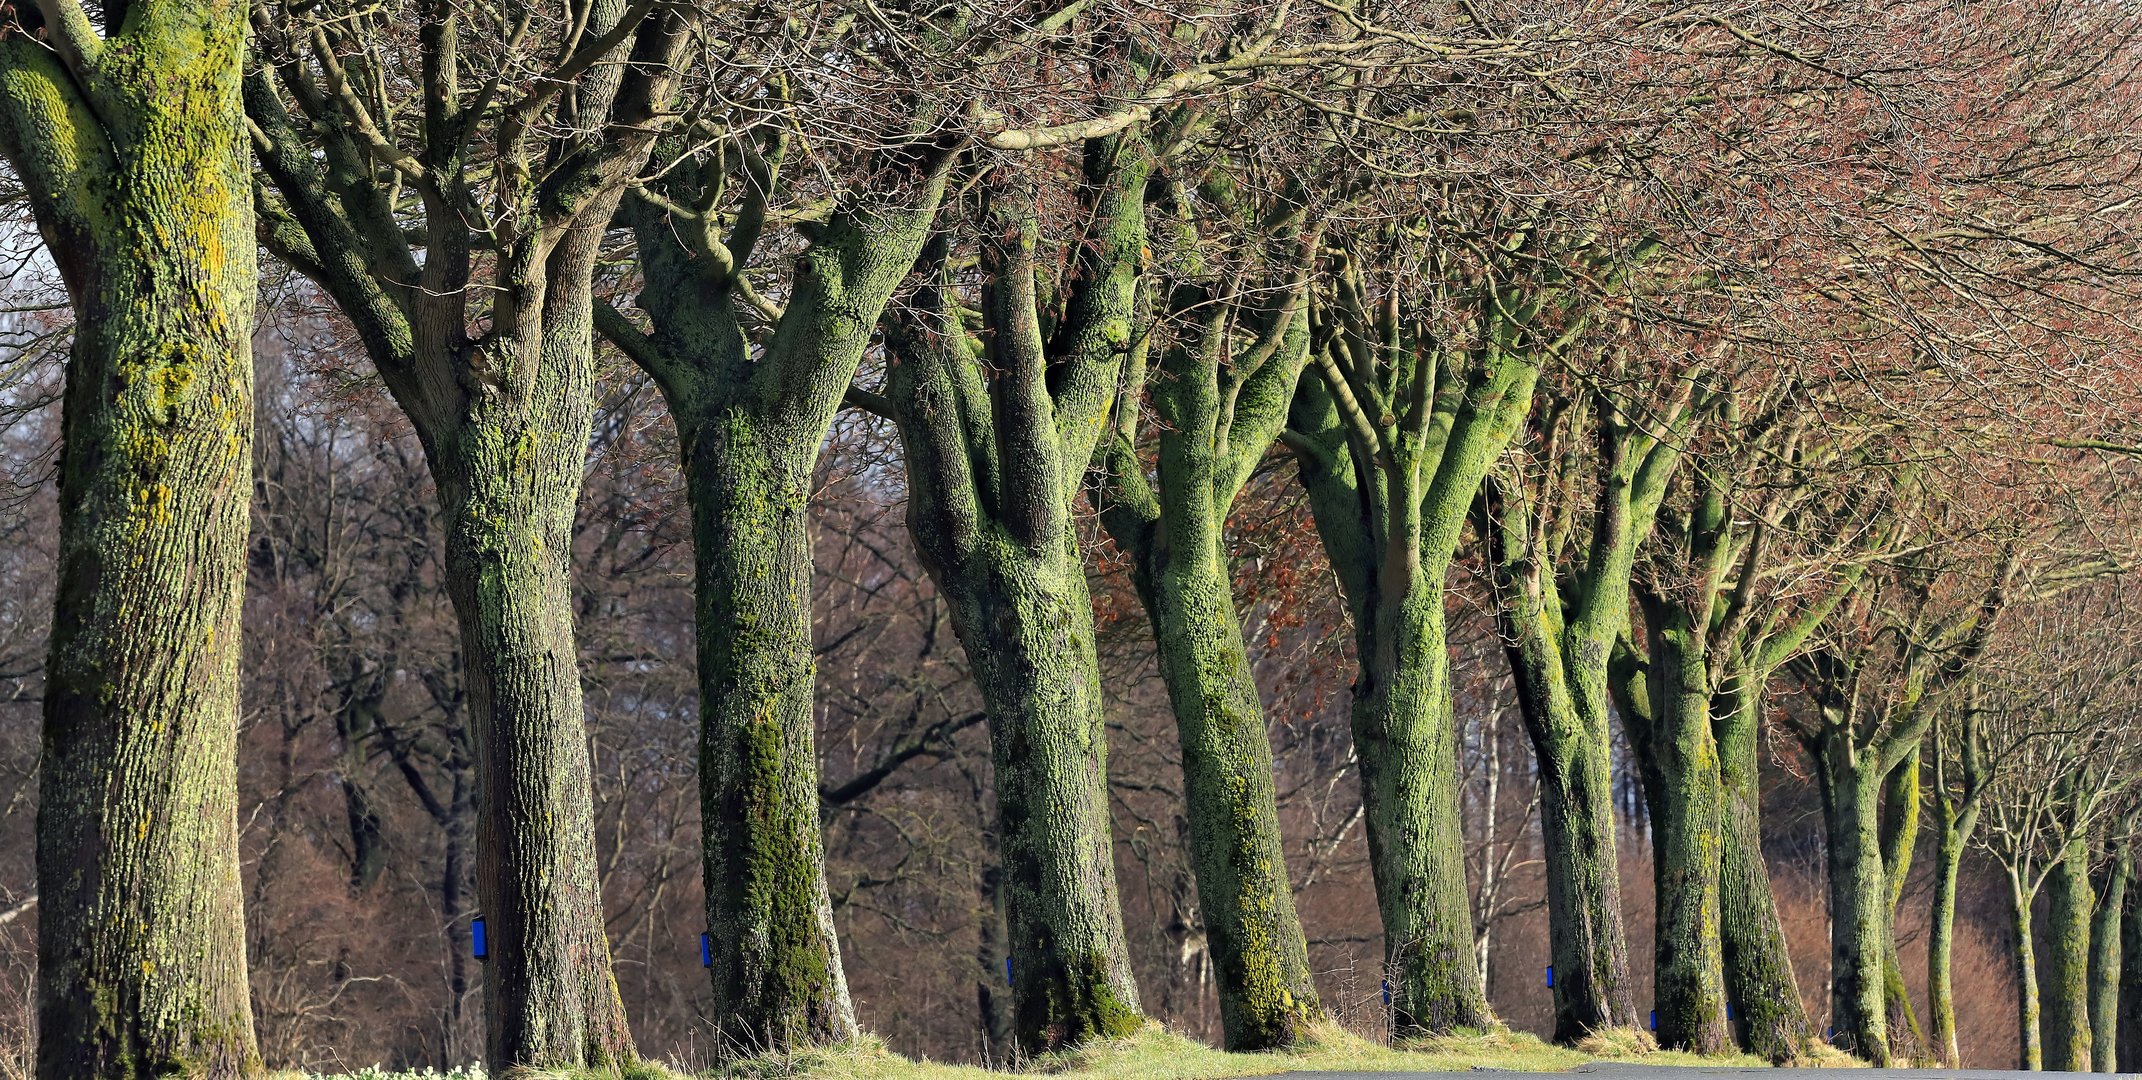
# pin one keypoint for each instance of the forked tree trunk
(1174, 530)
(133, 155)
(2030, 1055)
(750, 423)
(1941, 939)
(1900, 837)
(1588, 948)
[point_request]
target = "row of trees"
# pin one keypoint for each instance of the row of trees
(1763, 362)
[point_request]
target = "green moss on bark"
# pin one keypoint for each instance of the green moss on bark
(132, 153)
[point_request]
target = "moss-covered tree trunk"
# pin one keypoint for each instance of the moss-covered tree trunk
(1953, 827)
(2065, 1027)
(1900, 839)
(2030, 1054)
(2128, 1027)
(509, 480)
(750, 422)
(1217, 413)
(2106, 961)
(1406, 739)
(1768, 1013)
(131, 148)
(1687, 798)
(1390, 510)
(1026, 621)
(996, 446)
(1587, 944)
(1858, 897)
(778, 983)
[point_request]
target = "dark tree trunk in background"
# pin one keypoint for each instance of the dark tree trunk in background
(1858, 900)
(1687, 798)
(132, 152)
(2128, 1027)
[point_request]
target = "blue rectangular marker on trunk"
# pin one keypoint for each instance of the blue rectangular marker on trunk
(706, 952)
(478, 946)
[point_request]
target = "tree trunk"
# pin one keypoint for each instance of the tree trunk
(1587, 945)
(1941, 937)
(1770, 1017)
(1268, 996)
(1175, 533)
(1407, 742)
(1687, 799)
(509, 478)
(2066, 1023)
(1900, 838)
(777, 975)
(751, 422)
(2030, 1056)
(1026, 622)
(136, 166)
(1858, 900)
(2106, 956)
(2128, 1037)
(992, 985)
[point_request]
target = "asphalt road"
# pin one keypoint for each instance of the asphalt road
(1628, 1071)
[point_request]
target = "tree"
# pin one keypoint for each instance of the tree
(1562, 605)
(127, 138)
(1230, 357)
(2066, 773)
(753, 388)
(1394, 428)
(460, 240)
(997, 434)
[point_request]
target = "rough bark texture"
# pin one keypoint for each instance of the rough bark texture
(2106, 956)
(995, 450)
(1174, 531)
(131, 149)
(750, 424)
(1767, 1010)
(509, 480)
(1027, 623)
(1686, 796)
(1390, 510)
(1859, 898)
(1587, 944)
(1900, 836)
(2065, 1027)
(1952, 832)
(1586, 940)
(2030, 1055)
(2129, 1025)
(504, 417)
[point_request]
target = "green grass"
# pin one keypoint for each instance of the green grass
(1157, 1054)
